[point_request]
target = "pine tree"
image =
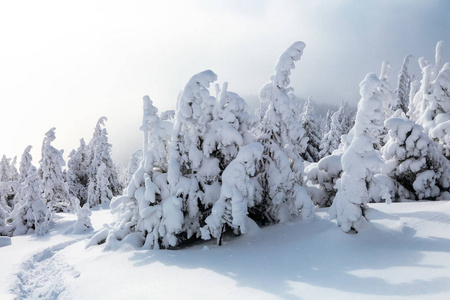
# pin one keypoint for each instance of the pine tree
(194, 111)
(25, 163)
(360, 162)
(403, 87)
(284, 141)
(237, 193)
(77, 175)
(414, 161)
(55, 189)
(33, 215)
(5, 169)
(309, 122)
(341, 123)
(133, 164)
(101, 154)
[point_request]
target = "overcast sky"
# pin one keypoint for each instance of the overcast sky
(65, 64)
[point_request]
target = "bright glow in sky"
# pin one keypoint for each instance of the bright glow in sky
(65, 64)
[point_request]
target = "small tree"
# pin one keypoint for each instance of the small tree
(237, 193)
(309, 122)
(77, 175)
(284, 141)
(25, 163)
(360, 162)
(83, 222)
(101, 154)
(403, 87)
(33, 214)
(414, 161)
(55, 189)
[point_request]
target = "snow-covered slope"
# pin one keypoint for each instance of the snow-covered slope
(404, 253)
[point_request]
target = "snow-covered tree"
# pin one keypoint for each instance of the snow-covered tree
(101, 154)
(309, 121)
(237, 193)
(25, 163)
(360, 162)
(133, 164)
(5, 169)
(341, 122)
(432, 102)
(33, 215)
(194, 112)
(414, 161)
(324, 175)
(55, 189)
(13, 173)
(403, 87)
(284, 141)
(83, 222)
(77, 175)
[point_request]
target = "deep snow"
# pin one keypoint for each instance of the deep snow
(404, 253)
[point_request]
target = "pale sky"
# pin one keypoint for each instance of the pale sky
(65, 64)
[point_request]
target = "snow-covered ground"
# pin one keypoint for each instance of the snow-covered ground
(403, 254)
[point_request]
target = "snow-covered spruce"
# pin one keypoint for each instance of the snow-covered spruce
(237, 193)
(33, 215)
(140, 209)
(55, 189)
(101, 155)
(341, 123)
(283, 137)
(430, 106)
(133, 164)
(25, 163)
(77, 175)
(414, 161)
(403, 87)
(309, 121)
(360, 162)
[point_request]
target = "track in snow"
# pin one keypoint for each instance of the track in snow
(43, 275)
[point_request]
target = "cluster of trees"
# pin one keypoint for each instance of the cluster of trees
(397, 149)
(215, 167)
(29, 196)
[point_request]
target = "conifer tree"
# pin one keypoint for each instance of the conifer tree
(25, 163)
(55, 189)
(360, 162)
(33, 215)
(101, 154)
(403, 87)
(309, 122)
(77, 175)
(284, 141)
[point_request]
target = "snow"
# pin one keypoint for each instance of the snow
(401, 254)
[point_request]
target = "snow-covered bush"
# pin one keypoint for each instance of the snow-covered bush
(360, 161)
(83, 222)
(414, 160)
(324, 175)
